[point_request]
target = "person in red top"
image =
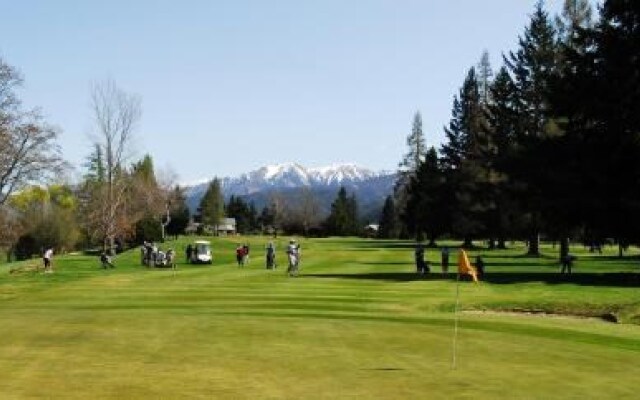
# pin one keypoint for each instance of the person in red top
(240, 255)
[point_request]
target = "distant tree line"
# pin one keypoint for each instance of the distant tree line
(300, 217)
(549, 145)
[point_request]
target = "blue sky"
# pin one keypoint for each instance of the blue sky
(230, 86)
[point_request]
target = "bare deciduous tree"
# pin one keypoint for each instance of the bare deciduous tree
(116, 114)
(28, 149)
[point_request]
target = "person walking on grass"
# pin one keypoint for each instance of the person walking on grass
(445, 260)
(240, 255)
(47, 259)
(293, 254)
(567, 263)
(271, 256)
(106, 260)
(245, 254)
(189, 252)
(421, 265)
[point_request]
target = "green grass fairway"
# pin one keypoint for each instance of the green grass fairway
(357, 323)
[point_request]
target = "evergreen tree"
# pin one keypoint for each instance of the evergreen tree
(485, 73)
(575, 15)
(144, 170)
(532, 68)
(212, 205)
(179, 213)
(563, 190)
(617, 39)
(343, 219)
(266, 217)
(503, 219)
(427, 203)
(388, 228)
(253, 217)
(95, 166)
(416, 145)
(464, 162)
(602, 128)
(409, 166)
(239, 209)
(353, 217)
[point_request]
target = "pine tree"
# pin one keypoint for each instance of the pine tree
(239, 209)
(485, 73)
(179, 214)
(562, 190)
(95, 166)
(575, 15)
(532, 68)
(353, 226)
(253, 217)
(388, 228)
(343, 219)
(144, 170)
(409, 166)
(212, 205)
(503, 121)
(266, 218)
(416, 145)
(604, 124)
(464, 162)
(427, 205)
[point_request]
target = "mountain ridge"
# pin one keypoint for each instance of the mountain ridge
(370, 187)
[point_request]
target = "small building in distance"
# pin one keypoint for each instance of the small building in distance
(226, 227)
(371, 230)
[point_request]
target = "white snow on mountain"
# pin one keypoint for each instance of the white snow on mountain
(293, 175)
(338, 173)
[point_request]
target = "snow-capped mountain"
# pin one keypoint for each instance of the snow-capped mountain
(337, 174)
(292, 175)
(367, 184)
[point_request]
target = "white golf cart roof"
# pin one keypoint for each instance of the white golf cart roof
(202, 242)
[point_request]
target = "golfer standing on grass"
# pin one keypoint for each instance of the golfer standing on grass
(48, 256)
(445, 260)
(293, 252)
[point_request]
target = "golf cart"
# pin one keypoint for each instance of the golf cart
(201, 252)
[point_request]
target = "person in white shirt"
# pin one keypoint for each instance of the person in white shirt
(48, 256)
(293, 252)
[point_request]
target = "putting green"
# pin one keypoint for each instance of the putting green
(357, 323)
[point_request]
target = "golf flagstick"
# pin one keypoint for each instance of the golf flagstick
(455, 322)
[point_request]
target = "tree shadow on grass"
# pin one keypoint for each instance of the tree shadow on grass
(385, 263)
(490, 255)
(613, 279)
(385, 276)
(622, 279)
(385, 246)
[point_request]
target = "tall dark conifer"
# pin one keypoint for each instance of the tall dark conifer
(464, 162)
(408, 168)
(503, 219)
(532, 67)
(485, 75)
(179, 212)
(603, 125)
(212, 205)
(388, 220)
(343, 219)
(427, 203)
